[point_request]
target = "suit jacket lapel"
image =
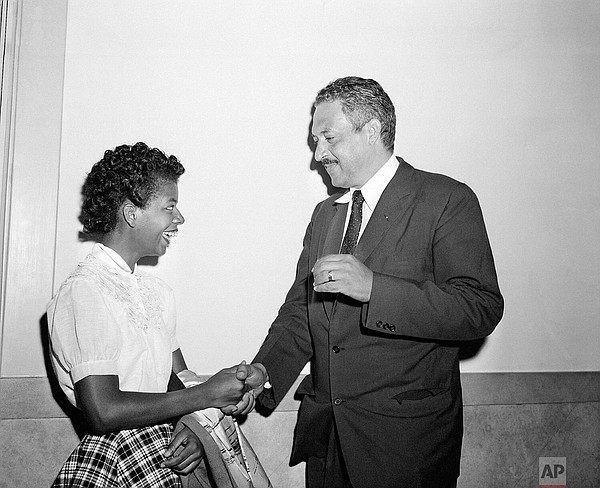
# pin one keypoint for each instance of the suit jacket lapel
(388, 210)
(331, 245)
(333, 238)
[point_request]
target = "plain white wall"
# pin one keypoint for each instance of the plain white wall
(502, 95)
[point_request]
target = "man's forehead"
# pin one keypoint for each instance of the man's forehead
(328, 108)
(328, 116)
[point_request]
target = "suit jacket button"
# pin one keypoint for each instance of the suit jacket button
(338, 401)
(335, 349)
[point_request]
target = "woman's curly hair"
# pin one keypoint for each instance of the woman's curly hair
(133, 173)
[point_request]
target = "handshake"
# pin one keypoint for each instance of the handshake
(232, 390)
(254, 377)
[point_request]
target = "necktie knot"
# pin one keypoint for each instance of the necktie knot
(353, 230)
(357, 199)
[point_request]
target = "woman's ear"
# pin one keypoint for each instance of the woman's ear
(129, 211)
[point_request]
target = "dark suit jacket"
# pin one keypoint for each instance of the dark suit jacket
(386, 372)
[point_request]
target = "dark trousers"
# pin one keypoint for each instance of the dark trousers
(328, 472)
(331, 472)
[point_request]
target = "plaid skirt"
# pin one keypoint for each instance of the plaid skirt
(129, 458)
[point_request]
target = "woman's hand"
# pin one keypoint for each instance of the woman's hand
(184, 453)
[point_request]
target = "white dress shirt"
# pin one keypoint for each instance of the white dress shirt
(371, 192)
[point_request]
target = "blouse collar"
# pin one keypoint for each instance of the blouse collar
(111, 258)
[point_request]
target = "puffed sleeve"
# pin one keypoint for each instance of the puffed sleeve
(84, 330)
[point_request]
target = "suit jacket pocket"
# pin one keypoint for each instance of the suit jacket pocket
(313, 427)
(423, 402)
(306, 386)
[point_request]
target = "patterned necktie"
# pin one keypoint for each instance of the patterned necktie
(351, 237)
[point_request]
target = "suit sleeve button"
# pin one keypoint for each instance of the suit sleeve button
(335, 349)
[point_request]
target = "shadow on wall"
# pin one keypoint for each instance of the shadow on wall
(70, 411)
(316, 165)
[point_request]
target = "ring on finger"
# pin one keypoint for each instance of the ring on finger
(329, 277)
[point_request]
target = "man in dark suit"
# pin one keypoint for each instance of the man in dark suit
(381, 319)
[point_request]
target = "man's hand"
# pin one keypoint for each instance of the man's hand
(184, 453)
(243, 407)
(254, 377)
(343, 273)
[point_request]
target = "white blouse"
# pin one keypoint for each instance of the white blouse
(106, 320)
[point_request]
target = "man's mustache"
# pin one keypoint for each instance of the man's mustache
(326, 161)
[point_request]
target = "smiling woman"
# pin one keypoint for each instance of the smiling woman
(133, 192)
(152, 226)
(127, 173)
(112, 332)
